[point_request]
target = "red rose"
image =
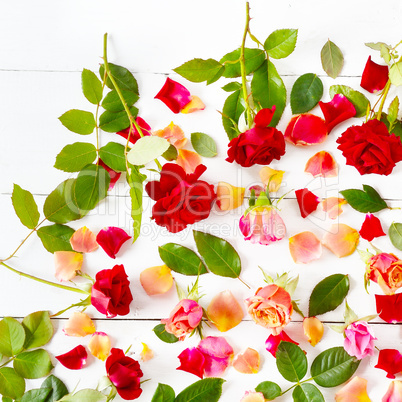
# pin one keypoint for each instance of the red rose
(370, 148)
(135, 135)
(125, 373)
(259, 145)
(111, 293)
(181, 199)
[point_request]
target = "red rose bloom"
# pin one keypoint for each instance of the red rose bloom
(259, 145)
(370, 148)
(111, 293)
(125, 373)
(181, 199)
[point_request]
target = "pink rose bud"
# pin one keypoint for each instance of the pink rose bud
(359, 340)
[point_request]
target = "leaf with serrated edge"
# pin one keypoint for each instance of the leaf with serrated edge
(91, 86)
(112, 101)
(33, 364)
(199, 70)
(393, 110)
(12, 385)
(56, 237)
(135, 180)
(87, 395)
(269, 389)
(12, 337)
(291, 361)
(55, 387)
(147, 149)
(253, 59)
(306, 93)
(113, 155)
(395, 235)
(74, 157)
(366, 200)
(395, 74)
(359, 101)
(163, 393)
(281, 43)
(123, 77)
(78, 121)
(231, 112)
(331, 59)
(204, 145)
(114, 122)
(25, 207)
(38, 329)
(307, 393)
(208, 389)
(163, 335)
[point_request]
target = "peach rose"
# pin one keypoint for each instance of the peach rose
(271, 307)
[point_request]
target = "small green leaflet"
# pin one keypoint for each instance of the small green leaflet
(395, 74)
(307, 393)
(147, 149)
(331, 59)
(366, 200)
(78, 121)
(12, 337)
(232, 86)
(123, 77)
(55, 387)
(281, 43)
(359, 101)
(171, 153)
(74, 157)
(38, 329)
(291, 361)
(198, 70)
(269, 389)
(56, 237)
(11, 384)
(113, 155)
(395, 234)
(306, 93)
(164, 336)
(231, 112)
(33, 364)
(25, 207)
(112, 102)
(87, 395)
(114, 122)
(204, 145)
(253, 59)
(91, 86)
(163, 393)
(208, 389)
(393, 110)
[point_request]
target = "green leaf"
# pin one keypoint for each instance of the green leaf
(219, 255)
(164, 336)
(135, 180)
(124, 79)
(35, 395)
(395, 74)
(163, 393)
(291, 361)
(333, 367)
(25, 207)
(113, 155)
(306, 93)
(204, 145)
(112, 102)
(55, 387)
(281, 43)
(56, 237)
(307, 393)
(33, 364)
(181, 259)
(171, 153)
(208, 389)
(395, 235)
(78, 121)
(328, 294)
(91, 187)
(268, 89)
(377, 45)
(359, 101)
(91, 86)
(147, 149)
(253, 59)
(114, 122)
(394, 128)
(269, 389)
(232, 86)
(74, 157)
(87, 395)
(12, 337)
(366, 200)
(393, 110)
(216, 76)
(38, 329)
(198, 70)
(331, 59)
(11, 384)
(231, 112)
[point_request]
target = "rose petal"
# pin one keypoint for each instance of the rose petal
(156, 280)
(174, 134)
(341, 239)
(174, 95)
(332, 206)
(371, 228)
(192, 361)
(114, 176)
(111, 239)
(229, 197)
(100, 345)
(264, 117)
(390, 360)
(389, 307)
(354, 390)
(306, 129)
(75, 359)
(338, 110)
(271, 176)
(134, 134)
(146, 353)
(194, 105)
(251, 396)
(79, 324)
(225, 311)
(322, 164)
(273, 341)
(67, 264)
(83, 241)
(374, 76)
(308, 202)
(188, 160)
(313, 329)
(305, 247)
(247, 362)
(394, 392)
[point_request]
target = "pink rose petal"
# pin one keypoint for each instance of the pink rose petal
(111, 239)
(192, 361)
(354, 390)
(174, 134)
(75, 359)
(83, 241)
(333, 206)
(251, 396)
(79, 324)
(194, 105)
(322, 164)
(341, 239)
(247, 362)
(100, 345)
(174, 95)
(146, 353)
(273, 341)
(271, 176)
(156, 280)
(371, 228)
(308, 202)
(394, 392)
(306, 129)
(338, 110)
(188, 160)
(305, 247)
(67, 264)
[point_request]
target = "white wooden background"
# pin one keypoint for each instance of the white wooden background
(43, 48)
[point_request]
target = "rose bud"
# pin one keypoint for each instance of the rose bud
(359, 340)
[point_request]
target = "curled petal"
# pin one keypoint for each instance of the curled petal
(114, 176)
(188, 160)
(174, 134)
(322, 164)
(394, 392)
(374, 76)
(354, 390)
(389, 307)
(225, 311)
(313, 329)
(156, 280)
(194, 105)
(111, 239)
(67, 264)
(251, 396)
(341, 239)
(134, 134)
(79, 324)
(174, 95)
(229, 197)
(371, 228)
(75, 359)
(192, 361)
(100, 345)
(308, 202)
(306, 129)
(305, 247)
(271, 176)
(146, 353)
(273, 341)
(83, 241)
(390, 360)
(247, 362)
(338, 110)
(333, 206)
(264, 117)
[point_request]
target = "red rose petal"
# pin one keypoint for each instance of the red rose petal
(174, 95)
(111, 239)
(389, 307)
(75, 359)
(338, 110)
(264, 117)
(273, 341)
(135, 135)
(371, 228)
(308, 202)
(390, 360)
(306, 129)
(374, 76)
(322, 164)
(114, 176)
(192, 361)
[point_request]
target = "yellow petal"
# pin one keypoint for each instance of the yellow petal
(194, 105)
(229, 197)
(313, 329)
(341, 239)
(188, 160)
(79, 324)
(333, 206)
(276, 176)
(99, 345)
(174, 134)
(304, 247)
(247, 362)
(83, 240)
(67, 264)
(225, 311)
(146, 353)
(156, 280)
(354, 391)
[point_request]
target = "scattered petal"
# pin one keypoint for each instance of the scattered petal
(114, 176)
(247, 362)
(338, 110)
(174, 134)
(100, 345)
(394, 392)
(83, 241)
(374, 76)
(306, 129)
(194, 105)
(225, 311)
(322, 164)
(371, 228)
(390, 360)
(134, 134)
(313, 329)
(273, 341)
(192, 361)
(67, 264)
(305, 247)
(75, 359)
(229, 197)
(341, 239)
(273, 177)
(188, 160)
(333, 206)
(252, 396)
(156, 280)
(354, 391)
(174, 95)
(146, 353)
(389, 307)
(79, 324)
(308, 202)
(111, 239)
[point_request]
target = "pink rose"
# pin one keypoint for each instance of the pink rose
(359, 340)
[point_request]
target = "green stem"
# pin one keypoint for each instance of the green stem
(295, 385)
(384, 96)
(97, 112)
